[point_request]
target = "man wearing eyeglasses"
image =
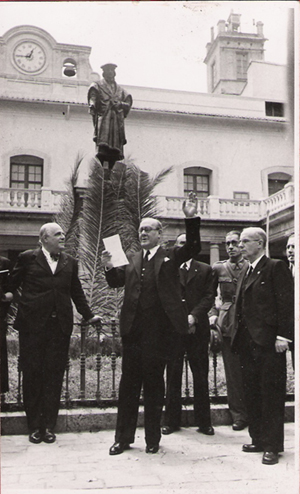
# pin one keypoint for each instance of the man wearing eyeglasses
(263, 328)
(227, 274)
(152, 319)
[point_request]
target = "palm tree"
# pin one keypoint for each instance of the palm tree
(107, 207)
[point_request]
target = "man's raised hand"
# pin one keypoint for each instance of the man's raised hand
(189, 206)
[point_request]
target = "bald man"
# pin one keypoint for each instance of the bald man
(49, 281)
(262, 332)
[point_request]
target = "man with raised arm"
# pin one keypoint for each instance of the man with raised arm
(152, 319)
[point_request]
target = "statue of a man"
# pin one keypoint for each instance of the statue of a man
(109, 104)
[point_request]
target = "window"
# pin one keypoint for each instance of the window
(274, 109)
(277, 181)
(196, 179)
(241, 65)
(26, 172)
(241, 195)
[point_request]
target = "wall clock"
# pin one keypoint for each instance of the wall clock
(29, 56)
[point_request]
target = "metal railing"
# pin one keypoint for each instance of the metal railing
(78, 369)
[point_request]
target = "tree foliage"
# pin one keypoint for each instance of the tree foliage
(108, 205)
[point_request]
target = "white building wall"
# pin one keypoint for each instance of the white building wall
(267, 81)
(236, 150)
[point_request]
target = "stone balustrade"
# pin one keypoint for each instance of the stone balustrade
(213, 208)
(216, 208)
(44, 200)
(283, 199)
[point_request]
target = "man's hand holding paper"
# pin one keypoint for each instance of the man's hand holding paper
(113, 255)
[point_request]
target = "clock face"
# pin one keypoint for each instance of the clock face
(29, 56)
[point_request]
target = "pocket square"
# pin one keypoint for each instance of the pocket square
(166, 259)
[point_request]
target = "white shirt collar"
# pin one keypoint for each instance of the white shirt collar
(52, 263)
(188, 264)
(255, 263)
(47, 254)
(152, 251)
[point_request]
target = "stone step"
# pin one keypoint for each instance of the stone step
(96, 419)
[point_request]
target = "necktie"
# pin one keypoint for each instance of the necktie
(185, 271)
(146, 258)
(250, 271)
(54, 257)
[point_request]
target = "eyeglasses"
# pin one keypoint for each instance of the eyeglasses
(146, 229)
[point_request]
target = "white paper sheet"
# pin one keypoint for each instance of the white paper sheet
(114, 247)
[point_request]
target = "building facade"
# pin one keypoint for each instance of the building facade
(233, 146)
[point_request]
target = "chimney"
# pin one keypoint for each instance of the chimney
(221, 27)
(259, 27)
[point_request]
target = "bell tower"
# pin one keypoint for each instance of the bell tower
(229, 55)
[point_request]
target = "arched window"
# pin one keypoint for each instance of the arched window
(69, 68)
(277, 181)
(197, 179)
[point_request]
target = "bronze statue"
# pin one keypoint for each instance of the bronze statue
(109, 105)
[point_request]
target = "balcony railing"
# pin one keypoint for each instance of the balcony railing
(216, 208)
(213, 208)
(44, 200)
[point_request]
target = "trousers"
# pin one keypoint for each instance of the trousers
(43, 358)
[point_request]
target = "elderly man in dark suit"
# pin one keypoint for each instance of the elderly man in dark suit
(152, 319)
(196, 279)
(49, 281)
(290, 253)
(5, 299)
(263, 327)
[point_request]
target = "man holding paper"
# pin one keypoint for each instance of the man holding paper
(152, 319)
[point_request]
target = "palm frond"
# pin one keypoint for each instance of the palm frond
(107, 207)
(90, 227)
(70, 208)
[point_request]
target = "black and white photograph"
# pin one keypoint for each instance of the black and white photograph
(149, 239)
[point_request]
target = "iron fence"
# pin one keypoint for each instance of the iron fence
(90, 374)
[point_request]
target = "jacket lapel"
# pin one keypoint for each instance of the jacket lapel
(137, 262)
(62, 262)
(158, 260)
(41, 260)
(254, 276)
(192, 272)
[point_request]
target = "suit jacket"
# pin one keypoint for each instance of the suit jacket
(166, 264)
(199, 293)
(44, 292)
(268, 302)
(5, 264)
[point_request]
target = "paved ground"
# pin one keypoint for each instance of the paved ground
(187, 462)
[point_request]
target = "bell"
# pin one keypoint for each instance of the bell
(69, 71)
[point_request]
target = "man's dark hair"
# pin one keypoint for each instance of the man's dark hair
(233, 232)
